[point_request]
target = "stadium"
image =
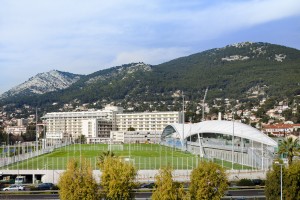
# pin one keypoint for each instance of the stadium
(226, 140)
(231, 144)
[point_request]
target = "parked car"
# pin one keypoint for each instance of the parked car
(147, 185)
(45, 186)
(14, 188)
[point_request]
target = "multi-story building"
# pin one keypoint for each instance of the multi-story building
(135, 136)
(92, 123)
(97, 130)
(97, 125)
(281, 129)
(15, 130)
(147, 121)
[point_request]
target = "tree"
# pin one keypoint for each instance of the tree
(208, 181)
(117, 178)
(104, 155)
(272, 189)
(166, 188)
(290, 147)
(292, 182)
(77, 182)
(131, 129)
(81, 139)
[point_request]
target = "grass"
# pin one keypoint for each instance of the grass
(144, 156)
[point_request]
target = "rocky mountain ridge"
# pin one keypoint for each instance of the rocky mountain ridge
(43, 83)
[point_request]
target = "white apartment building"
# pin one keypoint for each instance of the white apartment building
(96, 130)
(147, 121)
(96, 125)
(74, 124)
(15, 130)
(145, 127)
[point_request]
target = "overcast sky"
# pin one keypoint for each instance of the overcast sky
(86, 36)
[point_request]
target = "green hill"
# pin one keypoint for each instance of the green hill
(242, 71)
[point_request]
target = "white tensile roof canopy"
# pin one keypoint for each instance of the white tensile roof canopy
(226, 128)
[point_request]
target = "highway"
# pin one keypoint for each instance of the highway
(234, 194)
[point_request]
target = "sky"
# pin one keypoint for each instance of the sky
(83, 37)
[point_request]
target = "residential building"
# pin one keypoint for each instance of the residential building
(281, 129)
(15, 130)
(96, 125)
(74, 124)
(147, 121)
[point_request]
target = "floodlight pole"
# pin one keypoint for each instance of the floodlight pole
(182, 116)
(232, 156)
(36, 131)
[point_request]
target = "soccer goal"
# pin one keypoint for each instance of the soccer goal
(128, 159)
(115, 147)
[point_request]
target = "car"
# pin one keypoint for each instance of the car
(147, 185)
(45, 186)
(14, 188)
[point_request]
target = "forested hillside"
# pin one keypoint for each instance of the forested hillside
(242, 71)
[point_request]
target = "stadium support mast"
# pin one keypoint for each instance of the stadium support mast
(182, 117)
(36, 130)
(203, 104)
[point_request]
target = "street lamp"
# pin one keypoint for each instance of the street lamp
(277, 163)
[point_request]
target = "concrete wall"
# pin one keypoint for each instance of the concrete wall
(143, 175)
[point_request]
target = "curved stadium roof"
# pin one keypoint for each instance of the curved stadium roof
(224, 127)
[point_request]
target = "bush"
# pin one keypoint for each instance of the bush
(245, 182)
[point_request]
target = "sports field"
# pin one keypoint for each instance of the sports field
(143, 156)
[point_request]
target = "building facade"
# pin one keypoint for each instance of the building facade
(147, 121)
(93, 123)
(135, 136)
(15, 130)
(97, 125)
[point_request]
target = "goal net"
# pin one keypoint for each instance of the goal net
(116, 147)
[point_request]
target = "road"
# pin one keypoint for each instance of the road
(247, 193)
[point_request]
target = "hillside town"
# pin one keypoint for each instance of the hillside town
(278, 120)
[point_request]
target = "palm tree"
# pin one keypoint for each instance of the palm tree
(104, 155)
(290, 147)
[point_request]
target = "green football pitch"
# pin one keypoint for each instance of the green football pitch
(143, 156)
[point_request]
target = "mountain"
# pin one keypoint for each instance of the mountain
(243, 71)
(43, 83)
(235, 71)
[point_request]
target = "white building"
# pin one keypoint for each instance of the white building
(15, 130)
(88, 123)
(97, 125)
(96, 130)
(145, 127)
(147, 121)
(135, 136)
